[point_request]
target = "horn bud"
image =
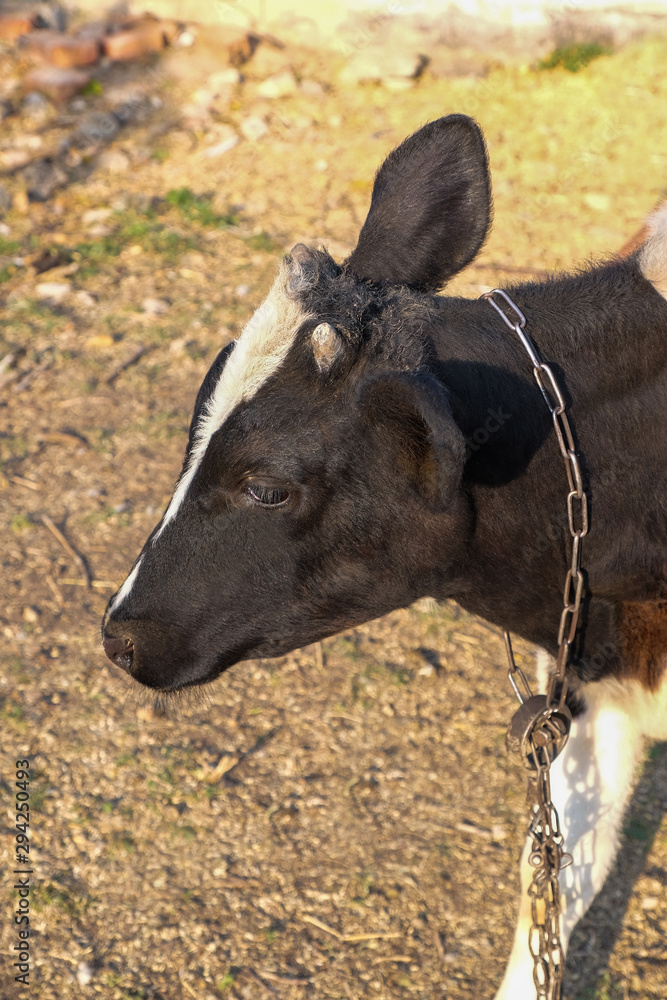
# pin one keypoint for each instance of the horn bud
(327, 344)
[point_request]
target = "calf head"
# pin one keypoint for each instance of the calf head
(321, 481)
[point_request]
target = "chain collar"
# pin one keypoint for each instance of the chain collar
(540, 727)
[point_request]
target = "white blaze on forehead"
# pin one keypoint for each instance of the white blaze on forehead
(653, 254)
(257, 354)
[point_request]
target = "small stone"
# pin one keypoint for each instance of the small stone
(242, 290)
(280, 85)
(222, 147)
(597, 201)
(186, 39)
(196, 114)
(85, 299)
(30, 614)
(84, 973)
(96, 215)
(311, 88)
(650, 903)
(96, 128)
(43, 177)
(14, 159)
(53, 291)
(114, 160)
(253, 128)
(155, 307)
(4, 228)
(57, 83)
(100, 340)
(203, 97)
(20, 202)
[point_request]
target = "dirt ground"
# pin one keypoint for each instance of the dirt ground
(343, 822)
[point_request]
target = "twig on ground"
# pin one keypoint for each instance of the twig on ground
(260, 980)
(20, 481)
(391, 958)
(439, 947)
(132, 360)
(71, 552)
(349, 938)
(276, 977)
(55, 589)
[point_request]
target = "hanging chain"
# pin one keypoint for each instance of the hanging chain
(541, 725)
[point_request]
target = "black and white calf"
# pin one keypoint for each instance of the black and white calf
(366, 442)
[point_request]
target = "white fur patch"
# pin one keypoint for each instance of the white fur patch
(258, 353)
(126, 588)
(591, 782)
(653, 254)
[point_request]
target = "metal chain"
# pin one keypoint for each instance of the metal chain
(540, 727)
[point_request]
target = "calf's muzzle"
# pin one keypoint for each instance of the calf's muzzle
(120, 651)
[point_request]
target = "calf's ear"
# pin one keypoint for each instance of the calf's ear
(411, 413)
(430, 209)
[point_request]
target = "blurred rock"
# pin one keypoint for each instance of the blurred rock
(311, 88)
(142, 39)
(13, 159)
(13, 24)
(155, 307)
(62, 50)
(253, 128)
(97, 128)
(113, 160)
(57, 83)
(42, 177)
(51, 15)
(94, 215)
(93, 29)
(84, 973)
(52, 291)
(20, 202)
(85, 299)
(227, 139)
(281, 85)
(383, 64)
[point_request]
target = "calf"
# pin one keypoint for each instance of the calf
(367, 442)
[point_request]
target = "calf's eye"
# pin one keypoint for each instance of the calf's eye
(267, 496)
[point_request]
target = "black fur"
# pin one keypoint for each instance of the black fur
(423, 461)
(430, 210)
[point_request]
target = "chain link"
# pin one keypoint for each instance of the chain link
(540, 728)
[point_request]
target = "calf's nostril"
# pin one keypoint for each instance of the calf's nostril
(120, 652)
